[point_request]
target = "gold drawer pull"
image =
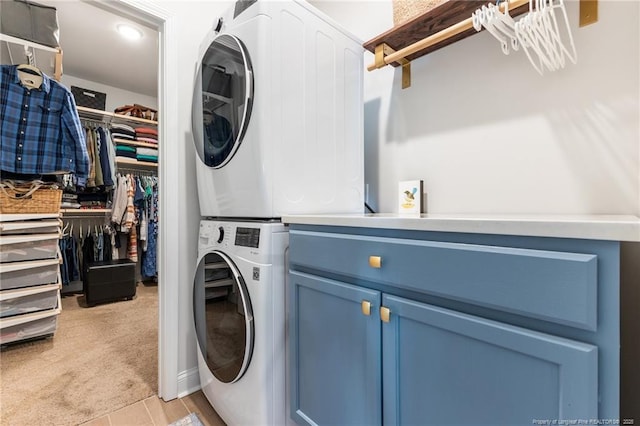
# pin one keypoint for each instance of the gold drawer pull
(375, 261)
(385, 313)
(366, 307)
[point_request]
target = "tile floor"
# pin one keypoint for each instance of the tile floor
(153, 411)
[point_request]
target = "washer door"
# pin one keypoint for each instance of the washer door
(222, 100)
(223, 317)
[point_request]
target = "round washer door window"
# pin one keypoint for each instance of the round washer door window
(223, 317)
(222, 100)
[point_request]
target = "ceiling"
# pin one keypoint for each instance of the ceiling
(94, 50)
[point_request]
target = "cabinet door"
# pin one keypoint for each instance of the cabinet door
(335, 358)
(442, 367)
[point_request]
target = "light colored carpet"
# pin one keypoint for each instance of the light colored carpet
(100, 359)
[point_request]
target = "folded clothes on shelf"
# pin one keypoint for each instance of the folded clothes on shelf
(146, 131)
(123, 131)
(147, 151)
(125, 151)
(145, 139)
(149, 158)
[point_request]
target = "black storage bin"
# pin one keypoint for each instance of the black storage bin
(30, 21)
(109, 281)
(89, 98)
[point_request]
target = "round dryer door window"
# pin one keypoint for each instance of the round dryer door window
(223, 317)
(222, 100)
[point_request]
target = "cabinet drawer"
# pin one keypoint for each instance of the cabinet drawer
(43, 325)
(29, 273)
(28, 299)
(16, 248)
(555, 286)
(32, 325)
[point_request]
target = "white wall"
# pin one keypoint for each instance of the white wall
(193, 20)
(115, 97)
(489, 135)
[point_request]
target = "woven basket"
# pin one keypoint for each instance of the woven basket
(30, 197)
(404, 10)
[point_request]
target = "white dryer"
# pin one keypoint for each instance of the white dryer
(278, 114)
(239, 313)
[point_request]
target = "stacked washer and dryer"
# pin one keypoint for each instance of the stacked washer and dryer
(278, 129)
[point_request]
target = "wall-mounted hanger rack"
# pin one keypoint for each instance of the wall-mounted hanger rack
(439, 27)
(29, 49)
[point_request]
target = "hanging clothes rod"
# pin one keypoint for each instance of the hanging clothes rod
(399, 36)
(92, 216)
(136, 172)
(89, 121)
(449, 32)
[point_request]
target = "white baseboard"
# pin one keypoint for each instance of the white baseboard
(188, 382)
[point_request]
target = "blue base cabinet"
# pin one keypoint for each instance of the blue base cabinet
(337, 354)
(477, 371)
(422, 328)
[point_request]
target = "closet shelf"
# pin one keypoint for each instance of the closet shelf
(110, 117)
(135, 143)
(430, 31)
(51, 62)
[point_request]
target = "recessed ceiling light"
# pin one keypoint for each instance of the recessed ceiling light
(129, 32)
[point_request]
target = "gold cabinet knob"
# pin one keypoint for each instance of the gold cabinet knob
(366, 307)
(375, 261)
(385, 313)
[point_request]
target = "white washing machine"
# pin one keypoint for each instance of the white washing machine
(278, 114)
(239, 313)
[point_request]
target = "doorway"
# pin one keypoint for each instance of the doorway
(154, 15)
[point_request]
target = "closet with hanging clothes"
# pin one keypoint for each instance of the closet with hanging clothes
(116, 212)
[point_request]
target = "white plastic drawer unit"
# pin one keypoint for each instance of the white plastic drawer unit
(25, 274)
(18, 248)
(29, 326)
(29, 299)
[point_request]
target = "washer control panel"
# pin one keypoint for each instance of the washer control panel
(225, 234)
(212, 233)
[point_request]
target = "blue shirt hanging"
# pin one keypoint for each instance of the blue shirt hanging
(40, 131)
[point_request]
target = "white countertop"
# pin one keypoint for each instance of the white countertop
(597, 227)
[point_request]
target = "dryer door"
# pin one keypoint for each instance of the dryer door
(222, 100)
(223, 317)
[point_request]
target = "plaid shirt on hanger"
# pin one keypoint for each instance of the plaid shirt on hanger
(40, 131)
